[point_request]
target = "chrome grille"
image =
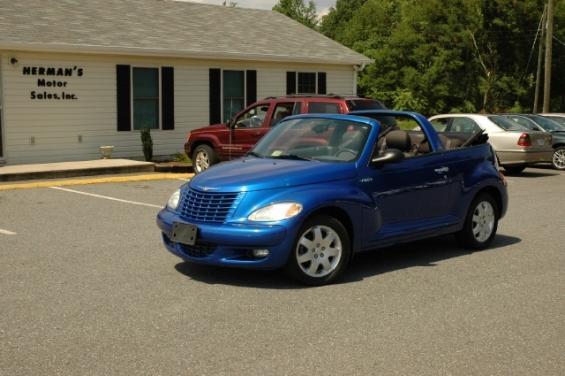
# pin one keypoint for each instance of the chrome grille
(208, 206)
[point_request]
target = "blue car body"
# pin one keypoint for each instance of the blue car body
(379, 206)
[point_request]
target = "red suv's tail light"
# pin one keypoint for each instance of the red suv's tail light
(524, 140)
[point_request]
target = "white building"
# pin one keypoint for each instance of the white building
(75, 75)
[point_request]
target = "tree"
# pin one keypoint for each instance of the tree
(298, 11)
(448, 55)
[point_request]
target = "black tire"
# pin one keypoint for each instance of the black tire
(330, 227)
(558, 160)
(474, 221)
(514, 169)
(203, 157)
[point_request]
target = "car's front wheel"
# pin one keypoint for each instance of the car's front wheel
(321, 251)
(202, 158)
(558, 161)
(481, 223)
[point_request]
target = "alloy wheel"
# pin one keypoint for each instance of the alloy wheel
(483, 221)
(202, 161)
(559, 159)
(319, 251)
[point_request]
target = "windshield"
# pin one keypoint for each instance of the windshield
(557, 119)
(547, 124)
(364, 104)
(507, 124)
(314, 139)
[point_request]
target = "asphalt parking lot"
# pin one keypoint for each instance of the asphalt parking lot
(86, 288)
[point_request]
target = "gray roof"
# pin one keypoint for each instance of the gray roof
(164, 28)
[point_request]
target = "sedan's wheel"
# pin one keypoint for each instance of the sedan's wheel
(202, 158)
(481, 223)
(321, 251)
(559, 158)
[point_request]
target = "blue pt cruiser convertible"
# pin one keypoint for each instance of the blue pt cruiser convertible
(319, 188)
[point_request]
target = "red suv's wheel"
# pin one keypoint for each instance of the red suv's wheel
(202, 158)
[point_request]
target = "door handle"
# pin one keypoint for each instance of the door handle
(442, 170)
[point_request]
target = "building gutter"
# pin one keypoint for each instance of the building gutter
(186, 54)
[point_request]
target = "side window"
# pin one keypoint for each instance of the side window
(440, 125)
(323, 108)
(253, 117)
(464, 125)
(281, 111)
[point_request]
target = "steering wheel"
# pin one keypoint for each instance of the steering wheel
(346, 154)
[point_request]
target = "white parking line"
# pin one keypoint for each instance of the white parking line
(107, 197)
(6, 232)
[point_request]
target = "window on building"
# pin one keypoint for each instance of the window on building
(145, 85)
(306, 83)
(234, 92)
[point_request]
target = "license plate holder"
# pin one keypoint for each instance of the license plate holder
(185, 233)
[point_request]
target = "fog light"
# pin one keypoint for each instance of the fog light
(260, 253)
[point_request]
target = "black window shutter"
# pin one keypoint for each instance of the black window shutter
(215, 96)
(168, 97)
(251, 86)
(124, 97)
(290, 83)
(321, 83)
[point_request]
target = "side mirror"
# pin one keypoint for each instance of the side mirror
(389, 156)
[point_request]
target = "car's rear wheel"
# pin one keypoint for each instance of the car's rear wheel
(203, 157)
(481, 223)
(514, 169)
(558, 161)
(321, 251)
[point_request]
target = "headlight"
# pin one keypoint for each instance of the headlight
(276, 212)
(174, 200)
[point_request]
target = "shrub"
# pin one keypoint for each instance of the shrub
(147, 144)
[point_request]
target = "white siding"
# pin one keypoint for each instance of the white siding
(55, 126)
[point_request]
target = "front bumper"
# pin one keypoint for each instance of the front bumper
(229, 244)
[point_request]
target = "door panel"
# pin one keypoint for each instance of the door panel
(413, 195)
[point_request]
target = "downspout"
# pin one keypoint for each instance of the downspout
(357, 69)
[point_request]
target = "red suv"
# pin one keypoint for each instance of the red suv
(222, 142)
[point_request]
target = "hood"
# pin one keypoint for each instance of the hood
(209, 128)
(253, 174)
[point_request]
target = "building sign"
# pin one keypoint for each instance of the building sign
(53, 82)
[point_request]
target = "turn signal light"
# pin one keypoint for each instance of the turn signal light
(524, 140)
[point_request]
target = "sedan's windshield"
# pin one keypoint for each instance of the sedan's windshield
(314, 139)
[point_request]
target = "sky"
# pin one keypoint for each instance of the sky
(322, 6)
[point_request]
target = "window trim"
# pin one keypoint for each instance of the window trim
(222, 91)
(132, 96)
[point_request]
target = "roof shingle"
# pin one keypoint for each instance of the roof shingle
(167, 28)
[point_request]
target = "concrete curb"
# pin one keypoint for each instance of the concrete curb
(97, 180)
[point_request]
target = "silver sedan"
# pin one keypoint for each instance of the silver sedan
(516, 147)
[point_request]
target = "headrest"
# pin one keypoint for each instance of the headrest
(398, 140)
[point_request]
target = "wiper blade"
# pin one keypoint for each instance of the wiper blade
(253, 154)
(291, 156)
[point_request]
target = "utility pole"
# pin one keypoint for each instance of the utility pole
(548, 51)
(540, 58)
